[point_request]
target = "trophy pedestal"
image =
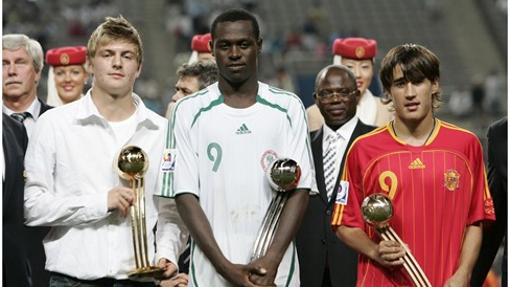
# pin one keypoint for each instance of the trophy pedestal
(146, 272)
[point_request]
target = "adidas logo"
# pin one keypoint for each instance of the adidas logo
(242, 130)
(417, 164)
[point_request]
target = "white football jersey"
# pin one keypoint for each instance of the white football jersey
(220, 154)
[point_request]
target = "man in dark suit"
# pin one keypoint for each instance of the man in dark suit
(22, 65)
(324, 260)
(493, 234)
(16, 270)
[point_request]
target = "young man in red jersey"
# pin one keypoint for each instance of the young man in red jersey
(433, 173)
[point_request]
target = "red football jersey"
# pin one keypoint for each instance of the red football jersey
(437, 190)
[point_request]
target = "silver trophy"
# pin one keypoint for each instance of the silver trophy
(283, 176)
(377, 210)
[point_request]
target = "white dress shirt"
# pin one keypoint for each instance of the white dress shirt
(34, 109)
(70, 165)
(343, 134)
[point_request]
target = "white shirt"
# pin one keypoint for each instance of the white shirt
(344, 133)
(70, 169)
(123, 130)
(29, 122)
(221, 156)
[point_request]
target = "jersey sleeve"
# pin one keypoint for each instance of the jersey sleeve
(482, 206)
(299, 146)
(347, 209)
(179, 167)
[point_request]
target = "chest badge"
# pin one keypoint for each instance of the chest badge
(451, 179)
(267, 159)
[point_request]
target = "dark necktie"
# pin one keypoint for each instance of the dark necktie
(21, 117)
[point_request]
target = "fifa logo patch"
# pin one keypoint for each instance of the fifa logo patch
(451, 179)
(168, 164)
(343, 193)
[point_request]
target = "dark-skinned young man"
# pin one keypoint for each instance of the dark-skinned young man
(218, 148)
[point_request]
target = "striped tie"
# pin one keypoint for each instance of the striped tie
(21, 117)
(329, 165)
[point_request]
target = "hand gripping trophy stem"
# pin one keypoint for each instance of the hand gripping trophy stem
(283, 176)
(132, 164)
(377, 210)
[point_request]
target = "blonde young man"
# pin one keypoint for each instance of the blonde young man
(72, 184)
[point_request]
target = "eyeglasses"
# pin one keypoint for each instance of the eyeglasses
(328, 94)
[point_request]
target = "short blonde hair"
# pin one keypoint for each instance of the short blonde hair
(112, 29)
(31, 46)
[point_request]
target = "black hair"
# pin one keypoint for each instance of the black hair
(233, 15)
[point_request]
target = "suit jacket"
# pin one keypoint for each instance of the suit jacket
(493, 234)
(317, 245)
(16, 267)
(44, 107)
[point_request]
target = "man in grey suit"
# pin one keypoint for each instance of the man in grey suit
(324, 260)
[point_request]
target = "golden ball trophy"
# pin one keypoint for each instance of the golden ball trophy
(132, 164)
(377, 210)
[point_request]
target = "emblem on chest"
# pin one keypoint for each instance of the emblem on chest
(451, 179)
(267, 158)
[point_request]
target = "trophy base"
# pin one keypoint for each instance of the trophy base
(146, 272)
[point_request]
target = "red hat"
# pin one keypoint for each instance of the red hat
(355, 48)
(200, 43)
(63, 56)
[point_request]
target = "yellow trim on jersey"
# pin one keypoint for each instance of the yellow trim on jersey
(486, 194)
(337, 215)
(338, 211)
(392, 133)
(435, 132)
(432, 137)
(373, 132)
(454, 127)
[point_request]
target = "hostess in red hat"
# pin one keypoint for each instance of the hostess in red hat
(200, 43)
(355, 48)
(64, 56)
